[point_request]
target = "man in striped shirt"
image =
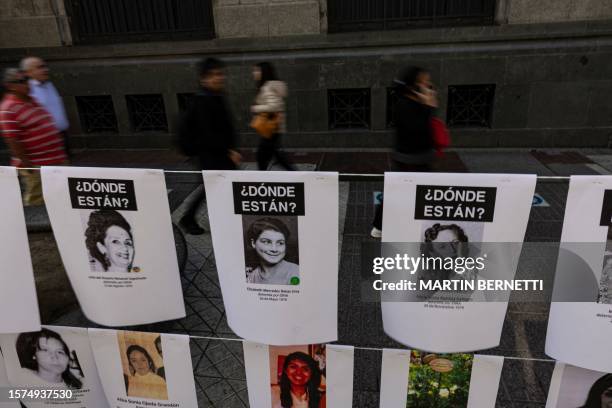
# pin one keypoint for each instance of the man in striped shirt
(29, 132)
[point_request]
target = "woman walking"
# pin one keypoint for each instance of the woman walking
(269, 114)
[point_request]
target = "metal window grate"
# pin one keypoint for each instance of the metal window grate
(140, 20)
(360, 15)
(470, 105)
(184, 100)
(391, 101)
(97, 113)
(349, 108)
(147, 112)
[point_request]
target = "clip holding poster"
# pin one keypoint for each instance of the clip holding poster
(114, 234)
(580, 318)
(54, 357)
(319, 375)
(144, 369)
(276, 250)
(18, 303)
(452, 217)
(412, 379)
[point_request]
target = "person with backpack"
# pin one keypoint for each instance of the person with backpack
(207, 132)
(269, 116)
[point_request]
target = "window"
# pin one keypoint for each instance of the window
(140, 20)
(470, 105)
(348, 108)
(147, 112)
(360, 15)
(184, 101)
(97, 113)
(391, 101)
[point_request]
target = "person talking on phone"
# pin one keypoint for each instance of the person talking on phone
(414, 144)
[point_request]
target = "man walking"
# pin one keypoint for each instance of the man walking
(209, 131)
(43, 91)
(29, 132)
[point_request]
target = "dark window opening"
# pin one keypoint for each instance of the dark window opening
(349, 108)
(147, 113)
(97, 113)
(470, 105)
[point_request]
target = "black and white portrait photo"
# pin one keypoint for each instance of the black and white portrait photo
(109, 239)
(271, 250)
(46, 359)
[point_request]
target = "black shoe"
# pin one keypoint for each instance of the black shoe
(190, 227)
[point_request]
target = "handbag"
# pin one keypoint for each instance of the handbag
(265, 124)
(440, 135)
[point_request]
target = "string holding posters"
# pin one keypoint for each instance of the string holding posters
(276, 250)
(5, 384)
(114, 234)
(314, 375)
(18, 302)
(572, 387)
(580, 319)
(141, 369)
(448, 241)
(413, 379)
(54, 358)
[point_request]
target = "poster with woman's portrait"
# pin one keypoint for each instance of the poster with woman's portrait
(114, 234)
(18, 302)
(575, 387)
(54, 357)
(5, 384)
(414, 379)
(144, 369)
(275, 237)
(580, 322)
(313, 376)
(448, 219)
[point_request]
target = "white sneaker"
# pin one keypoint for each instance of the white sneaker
(376, 233)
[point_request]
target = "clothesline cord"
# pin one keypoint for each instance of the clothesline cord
(347, 175)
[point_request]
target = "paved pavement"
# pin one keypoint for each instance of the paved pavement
(218, 365)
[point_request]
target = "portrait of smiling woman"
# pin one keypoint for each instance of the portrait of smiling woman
(269, 252)
(110, 242)
(300, 383)
(143, 380)
(47, 360)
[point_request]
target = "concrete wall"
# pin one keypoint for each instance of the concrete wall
(33, 23)
(266, 18)
(545, 11)
(552, 81)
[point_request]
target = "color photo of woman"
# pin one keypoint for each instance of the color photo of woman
(297, 381)
(142, 361)
(271, 250)
(47, 360)
(110, 242)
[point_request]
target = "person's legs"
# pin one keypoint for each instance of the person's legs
(33, 187)
(265, 152)
(188, 220)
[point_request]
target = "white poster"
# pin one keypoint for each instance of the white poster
(580, 321)
(314, 375)
(414, 379)
(275, 237)
(114, 233)
(18, 302)
(575, 387)
(477, 213)
(54, 357)
(5, 384)
(141, 369)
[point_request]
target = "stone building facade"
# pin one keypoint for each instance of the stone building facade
(529, 74)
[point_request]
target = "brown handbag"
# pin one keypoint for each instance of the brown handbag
(265, 124)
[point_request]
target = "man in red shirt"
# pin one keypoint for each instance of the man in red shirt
(30, 134)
